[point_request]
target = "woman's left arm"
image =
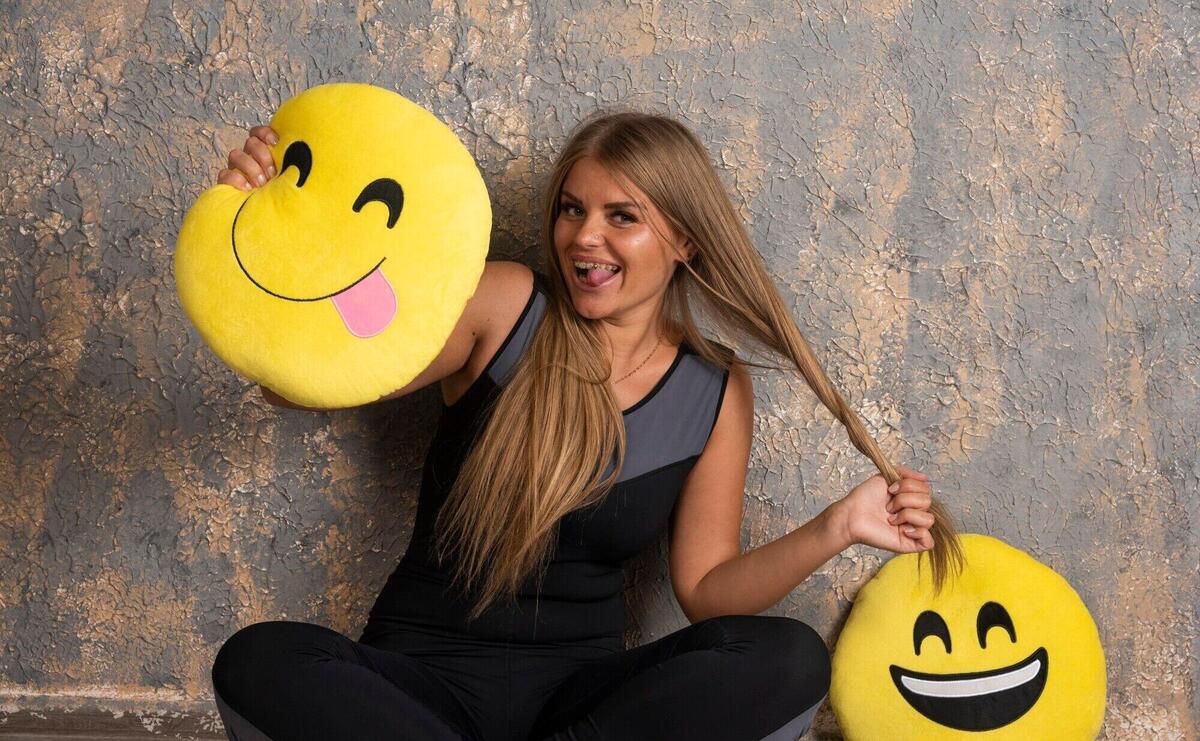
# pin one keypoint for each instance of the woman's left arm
(709, 573)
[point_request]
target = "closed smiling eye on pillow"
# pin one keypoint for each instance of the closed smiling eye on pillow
(341, 279)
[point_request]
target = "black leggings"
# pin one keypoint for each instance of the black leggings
(734, 677)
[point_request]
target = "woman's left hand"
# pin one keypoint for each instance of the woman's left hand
(897, 521)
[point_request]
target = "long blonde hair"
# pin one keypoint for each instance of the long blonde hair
(556, 424)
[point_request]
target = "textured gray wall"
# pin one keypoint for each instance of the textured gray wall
(985, 218)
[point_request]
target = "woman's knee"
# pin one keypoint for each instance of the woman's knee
(788, 646)
(804, 655)
(256, 651)
(249, 641)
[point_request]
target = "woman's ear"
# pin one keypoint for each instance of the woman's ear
(685, 250)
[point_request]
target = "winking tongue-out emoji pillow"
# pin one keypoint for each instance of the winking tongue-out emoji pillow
(1007, 650)
(341, 279)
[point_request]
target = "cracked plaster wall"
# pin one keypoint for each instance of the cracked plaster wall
(984, 216)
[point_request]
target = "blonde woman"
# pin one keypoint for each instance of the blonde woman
(584, 413)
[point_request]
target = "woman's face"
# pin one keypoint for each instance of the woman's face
(599, 221)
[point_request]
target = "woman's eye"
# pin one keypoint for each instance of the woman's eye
(570, 209)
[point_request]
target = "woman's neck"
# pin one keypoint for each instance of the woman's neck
(631, 343)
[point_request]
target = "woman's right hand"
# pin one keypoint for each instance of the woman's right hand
(897, 521)
(251, 165)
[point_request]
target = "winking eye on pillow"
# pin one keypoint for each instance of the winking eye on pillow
(339, 280)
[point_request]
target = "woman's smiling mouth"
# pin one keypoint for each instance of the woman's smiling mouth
(591, 275)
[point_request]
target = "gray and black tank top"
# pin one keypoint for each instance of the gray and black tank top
(580, 596)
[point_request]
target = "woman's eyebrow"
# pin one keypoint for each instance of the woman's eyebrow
(614, 204)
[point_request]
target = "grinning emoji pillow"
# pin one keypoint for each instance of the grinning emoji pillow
(341, 279)
(1007, 650)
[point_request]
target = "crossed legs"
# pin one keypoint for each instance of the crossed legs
(289, 681)
(730, 678)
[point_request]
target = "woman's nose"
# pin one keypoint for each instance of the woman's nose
(590, 233)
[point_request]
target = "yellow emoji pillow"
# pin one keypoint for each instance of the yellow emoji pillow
(341, 279)
(1007, 650)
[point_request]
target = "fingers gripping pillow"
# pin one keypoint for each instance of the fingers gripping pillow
(1007, 650)
(341, 279)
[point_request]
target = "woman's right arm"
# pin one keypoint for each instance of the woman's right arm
(252, 166)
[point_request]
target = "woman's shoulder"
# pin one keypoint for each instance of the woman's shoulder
(525, 296)
(720, 349)
(507, 277)
(515, 279)
(541, 282)
(504, 298)
(504, 293)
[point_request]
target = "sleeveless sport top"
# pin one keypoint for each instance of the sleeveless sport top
(581, 597)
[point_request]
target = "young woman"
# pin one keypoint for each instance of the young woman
(584, 414)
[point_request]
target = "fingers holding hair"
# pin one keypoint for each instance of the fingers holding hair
(919, 537)
(910, 499)
(914, 517)
(911, 473)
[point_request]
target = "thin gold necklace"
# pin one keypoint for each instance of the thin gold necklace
(635, 370)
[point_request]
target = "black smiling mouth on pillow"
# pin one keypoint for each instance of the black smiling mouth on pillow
(973, 701)
(384, 190)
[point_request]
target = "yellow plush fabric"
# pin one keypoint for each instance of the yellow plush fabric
(1006, 651)
(341, 279)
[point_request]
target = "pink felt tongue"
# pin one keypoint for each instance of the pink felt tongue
(367, 307)
(596, 276)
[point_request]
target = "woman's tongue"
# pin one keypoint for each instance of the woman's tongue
(596, 276)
